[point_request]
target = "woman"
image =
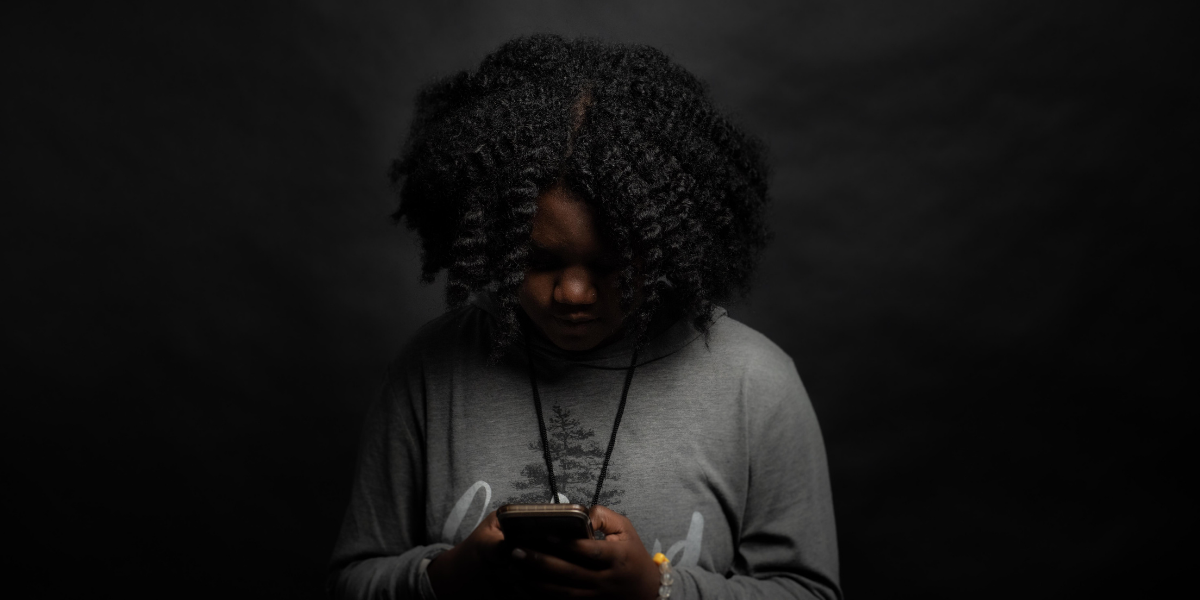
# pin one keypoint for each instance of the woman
(589, 205)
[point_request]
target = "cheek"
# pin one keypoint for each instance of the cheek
(612, 284)
(536, 291)
(610, 293)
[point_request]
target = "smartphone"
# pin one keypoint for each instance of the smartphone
(534, 525)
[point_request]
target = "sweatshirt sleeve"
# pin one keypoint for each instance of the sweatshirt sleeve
(788, 545)
(380, 551)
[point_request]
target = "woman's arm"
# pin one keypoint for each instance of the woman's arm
(379, 552)
(788, 543)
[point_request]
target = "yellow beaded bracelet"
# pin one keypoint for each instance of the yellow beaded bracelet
(665, 578)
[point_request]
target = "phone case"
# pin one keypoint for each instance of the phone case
(537, 524)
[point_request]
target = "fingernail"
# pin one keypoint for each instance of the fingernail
(518, 553)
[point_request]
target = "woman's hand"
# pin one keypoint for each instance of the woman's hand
(473, 567)
(616, 567)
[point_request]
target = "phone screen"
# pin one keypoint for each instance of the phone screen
(538, 530)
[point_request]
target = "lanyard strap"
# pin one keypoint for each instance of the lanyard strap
(612, 440)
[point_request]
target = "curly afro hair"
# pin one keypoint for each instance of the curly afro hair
(676, 187)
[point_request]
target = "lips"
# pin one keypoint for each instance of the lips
(575, 319)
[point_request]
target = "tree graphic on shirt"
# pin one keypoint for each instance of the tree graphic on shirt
(577, 461)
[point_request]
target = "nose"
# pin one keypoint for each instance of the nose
(575, 286)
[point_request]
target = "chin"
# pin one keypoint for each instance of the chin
(574, 344)
(576, 341)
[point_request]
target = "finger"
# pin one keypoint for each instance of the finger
(491, 540)
(491, 522)
(596, 555)
(545, 568)
(611, 523)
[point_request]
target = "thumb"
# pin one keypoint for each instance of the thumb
(614, 526)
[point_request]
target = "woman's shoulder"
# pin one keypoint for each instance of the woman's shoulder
(738, 343)
(456, 322)
(458, 334)
(764, 373)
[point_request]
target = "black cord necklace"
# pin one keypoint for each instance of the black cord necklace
(612, 440)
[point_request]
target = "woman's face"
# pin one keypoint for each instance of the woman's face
(570, 289)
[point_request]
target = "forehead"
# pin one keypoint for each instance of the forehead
(564, 221)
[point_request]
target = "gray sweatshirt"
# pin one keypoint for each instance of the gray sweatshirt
(718, 461)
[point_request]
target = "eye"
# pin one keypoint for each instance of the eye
(541, 260)
(605, 267)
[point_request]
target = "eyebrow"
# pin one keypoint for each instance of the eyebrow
(609, 259)
(536, 247)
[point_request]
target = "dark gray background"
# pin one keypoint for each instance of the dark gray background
(979, 269)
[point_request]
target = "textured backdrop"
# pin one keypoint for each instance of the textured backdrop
(981, 239)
